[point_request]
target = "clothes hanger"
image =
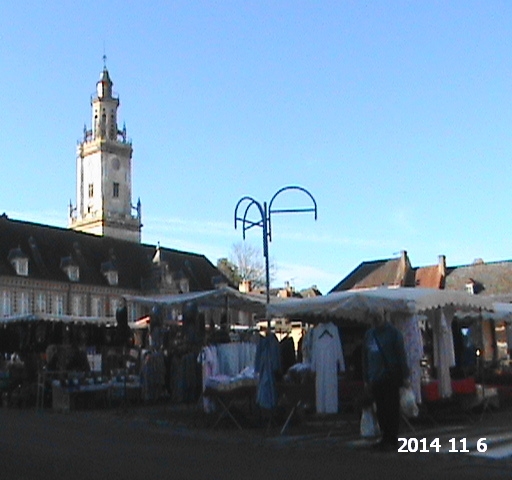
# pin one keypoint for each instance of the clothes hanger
(325, 332)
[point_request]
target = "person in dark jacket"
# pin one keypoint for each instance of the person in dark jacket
(385, 370)
(123, 332)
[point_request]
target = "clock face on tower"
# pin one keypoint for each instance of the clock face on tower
(115, 163)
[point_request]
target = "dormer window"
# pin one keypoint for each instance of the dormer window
(177, 281)
(169, 278)
(474, 287)
(112, 277)
(19, 261)
(109, 271)
(184, 286)
(73, 273)
(70, 268)
(21, 266)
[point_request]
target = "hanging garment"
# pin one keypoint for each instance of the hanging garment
(247, 354)
(307, 346)
(210, 367)
(413, 343)
(228, 355)
(287, 349)
(327, 360)
(444, 353)
(267, 364)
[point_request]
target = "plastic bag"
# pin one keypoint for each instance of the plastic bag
(369, 424)
(408, 404)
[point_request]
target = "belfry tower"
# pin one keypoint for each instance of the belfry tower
(103, 168)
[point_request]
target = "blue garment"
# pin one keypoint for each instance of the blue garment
(267, 363)
(384, 355)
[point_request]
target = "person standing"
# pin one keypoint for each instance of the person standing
(385, 370)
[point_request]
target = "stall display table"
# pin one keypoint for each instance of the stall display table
(66, 399)
(81, 391)
(227, 398)
(467, 396)
(129, 391)
(464, 386)
(45, 381)
(294, 396)
(485, 398)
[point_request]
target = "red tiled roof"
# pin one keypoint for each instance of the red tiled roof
(429, 277)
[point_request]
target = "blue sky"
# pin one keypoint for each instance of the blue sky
(395, 115)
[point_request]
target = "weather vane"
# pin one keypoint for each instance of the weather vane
(104, 56)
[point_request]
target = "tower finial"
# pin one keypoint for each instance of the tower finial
(104, 61)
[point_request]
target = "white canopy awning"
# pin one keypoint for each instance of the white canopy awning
(502, 311)
(225, 297)
(48, 317)
(358, 303)
(422, 299)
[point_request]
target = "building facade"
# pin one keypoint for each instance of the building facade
(85, 270)
(56, 271)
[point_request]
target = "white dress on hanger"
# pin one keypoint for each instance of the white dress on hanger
(327, 360)
(444, 354)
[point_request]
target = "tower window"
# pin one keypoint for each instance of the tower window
(115, 191)
(91, 190)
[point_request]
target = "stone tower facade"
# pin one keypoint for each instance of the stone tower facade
(104, 184)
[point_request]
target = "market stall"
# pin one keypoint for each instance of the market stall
(489, 334)
(190, 322)
(64, 361)
(424, 317)
(220, 298)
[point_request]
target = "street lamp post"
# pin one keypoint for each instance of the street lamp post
(264, 220)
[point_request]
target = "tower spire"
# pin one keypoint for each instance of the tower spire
(104, 159)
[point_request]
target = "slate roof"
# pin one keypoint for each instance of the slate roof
(310, 292)
(199, 271)
(46, 247)
(493, 278)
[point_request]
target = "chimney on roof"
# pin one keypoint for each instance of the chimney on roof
(441, 267)
(442, 264)
(245, 286)
(403, 270)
